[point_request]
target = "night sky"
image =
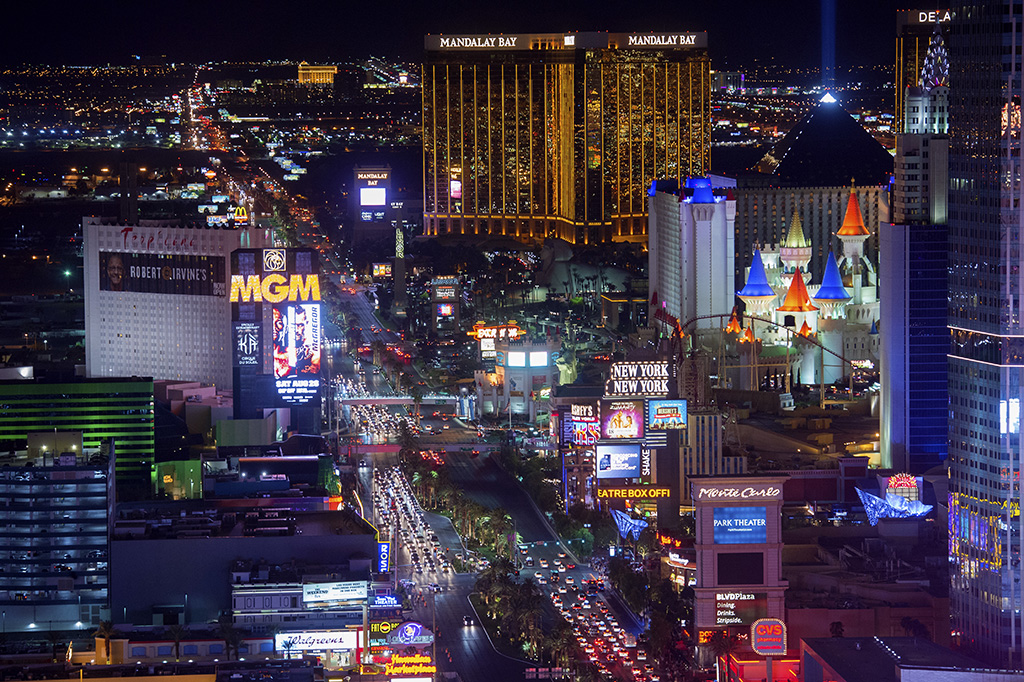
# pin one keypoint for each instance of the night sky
(112, 30)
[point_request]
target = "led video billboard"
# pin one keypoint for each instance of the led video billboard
(740, 525)
(373, 196)
(618, 461)
(287, 280)
(622, 419)
(155, 273)
(665, 415)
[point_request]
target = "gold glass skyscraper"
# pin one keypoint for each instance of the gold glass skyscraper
(914, 29)
(559, 135)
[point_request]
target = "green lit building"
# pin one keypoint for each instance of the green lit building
(101, 409)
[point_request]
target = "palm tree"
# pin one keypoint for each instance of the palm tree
(379, 349)
(105, 632)
(416, 393)
(528, 613)
(288, 645)
(54, 638)
(563, 644)
(723, 645)
(231, 635)
(499, 526)
(177, 633)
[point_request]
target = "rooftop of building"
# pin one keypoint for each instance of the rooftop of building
(264, 573)
(262, 517)
(876, 659)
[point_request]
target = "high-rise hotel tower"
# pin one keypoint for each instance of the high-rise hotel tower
(986, 320)
(559, 135)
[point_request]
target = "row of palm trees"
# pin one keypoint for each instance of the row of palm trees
(515, 607)
(475, 523)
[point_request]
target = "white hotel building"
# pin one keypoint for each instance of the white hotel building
(156, 301)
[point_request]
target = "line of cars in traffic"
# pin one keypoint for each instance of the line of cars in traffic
(601, 638)
(401, 519)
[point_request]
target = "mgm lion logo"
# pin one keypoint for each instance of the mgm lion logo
(274, 260)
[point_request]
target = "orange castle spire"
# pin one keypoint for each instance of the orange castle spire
(797, 300)
(853, 223)
(805, 330)
(734, 324)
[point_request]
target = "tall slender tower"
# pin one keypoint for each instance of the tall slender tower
(986, 356)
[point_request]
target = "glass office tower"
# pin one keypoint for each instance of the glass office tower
(559, 135)
(986, 362)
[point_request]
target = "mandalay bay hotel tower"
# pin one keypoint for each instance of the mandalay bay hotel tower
(534, 136)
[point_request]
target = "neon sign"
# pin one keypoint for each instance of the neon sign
(274, 288)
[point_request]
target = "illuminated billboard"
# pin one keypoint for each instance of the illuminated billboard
(586, 423)
(444, 288)
(316, 641)
(666, 415)
(622, 419)
(648, 378)
(740, 525)
(618, 461)
(248, 350)
(288, 280)
(296, 340)
(373, 196)
(444, 310)
(382, 270)
(455, 189)
(154, 273)
(739, 608)
(444, 293)
(319, 593)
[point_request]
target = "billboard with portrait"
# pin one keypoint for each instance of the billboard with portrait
(287, 281)
(155, 273)
(618, 461)
(622, 419)
(296, 340)
(666, 415)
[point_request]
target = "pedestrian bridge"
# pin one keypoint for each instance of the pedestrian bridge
(398, 400)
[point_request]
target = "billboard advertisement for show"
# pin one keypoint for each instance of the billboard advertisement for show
(288, 280)
(443, 288)
(445, 310)
(665, 415)
(740, 525)
(248, 351)
(155, 273)
(622, 419)
(297, 351)
(618, 461)
(586, 423)
(381, 270)
(331, 592)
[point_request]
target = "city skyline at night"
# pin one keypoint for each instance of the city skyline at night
(463, 342)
